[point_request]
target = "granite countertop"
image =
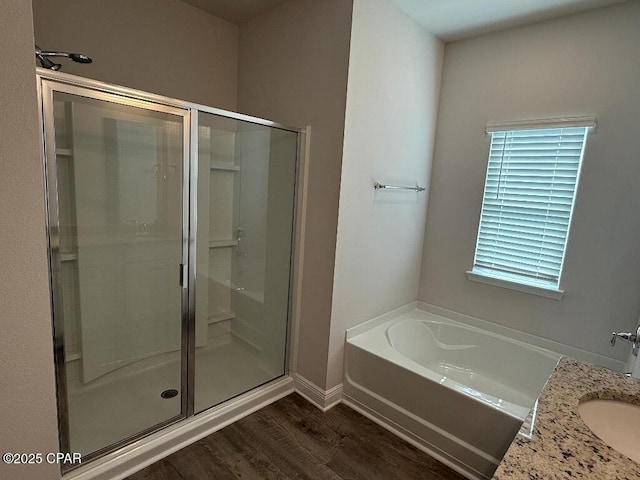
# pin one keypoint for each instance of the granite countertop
(561, 445)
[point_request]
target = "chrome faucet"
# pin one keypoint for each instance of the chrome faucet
(634, 338)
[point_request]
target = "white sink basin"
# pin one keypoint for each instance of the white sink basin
(616, 423)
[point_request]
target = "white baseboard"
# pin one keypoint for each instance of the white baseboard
(322, 399)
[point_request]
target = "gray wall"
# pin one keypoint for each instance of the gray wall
(28, 418)
(293, 64)
(392, 102)
(159, 46)
(27, 391)
(581, 64)
(289, 64)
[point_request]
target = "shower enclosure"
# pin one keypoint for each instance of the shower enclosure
(171, 233)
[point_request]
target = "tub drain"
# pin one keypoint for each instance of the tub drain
(169, 393)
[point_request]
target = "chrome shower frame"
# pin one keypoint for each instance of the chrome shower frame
(49, 81)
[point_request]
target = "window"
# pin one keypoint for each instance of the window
(528, 199)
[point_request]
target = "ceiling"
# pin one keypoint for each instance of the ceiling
(457, 19)
(235, 11)
(447, 19)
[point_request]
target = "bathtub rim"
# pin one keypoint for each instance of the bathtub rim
(391, 324)
(384, 322)
(471, 457)
(502, 403)
(386, 352)
(405, 426)
(468, 320)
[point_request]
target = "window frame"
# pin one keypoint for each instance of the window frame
(511, 281)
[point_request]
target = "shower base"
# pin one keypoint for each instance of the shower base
(129, 399)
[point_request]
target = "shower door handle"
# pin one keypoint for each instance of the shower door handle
(183, 275)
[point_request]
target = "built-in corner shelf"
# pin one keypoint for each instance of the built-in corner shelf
(68, 257)
(223, 243)
(221, 317)
(225, 166)
(64, 152)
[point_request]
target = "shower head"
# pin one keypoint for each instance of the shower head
(43, 58)
(79, 58)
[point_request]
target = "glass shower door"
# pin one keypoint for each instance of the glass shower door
(245, 195)
(116, 206)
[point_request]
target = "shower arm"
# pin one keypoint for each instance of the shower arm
(55, 54)
(76, 57)
(43, 56)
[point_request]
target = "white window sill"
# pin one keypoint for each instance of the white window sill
(499, 282)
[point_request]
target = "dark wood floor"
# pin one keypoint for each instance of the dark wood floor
(291, 439)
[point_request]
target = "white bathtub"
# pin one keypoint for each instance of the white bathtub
(457, 391)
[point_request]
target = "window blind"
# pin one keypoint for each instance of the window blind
(528, 199)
